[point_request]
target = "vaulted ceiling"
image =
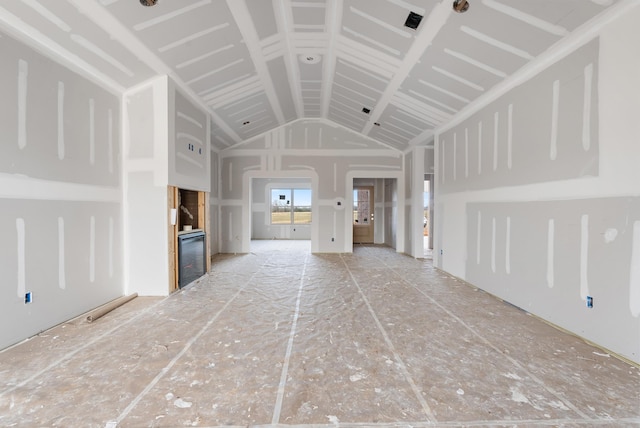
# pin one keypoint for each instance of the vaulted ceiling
(258, 64)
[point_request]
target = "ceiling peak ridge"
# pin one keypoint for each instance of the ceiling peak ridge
(428, 31)
(240, 12)
(284, 21)
(333, 21)
(321, 120)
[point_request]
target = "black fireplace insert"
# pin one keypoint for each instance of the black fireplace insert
(191, 257)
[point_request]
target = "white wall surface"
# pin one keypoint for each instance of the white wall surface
(329, 155)
(60, 193)
(554, 215)
(189, 145)
(146, 176)
(214, 204)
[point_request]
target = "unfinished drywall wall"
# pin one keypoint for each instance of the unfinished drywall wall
(544, 130)
(553, 214)
(560, 252)
(414, 213)
(327, 154)
(214, 203)
(146, 179)
(261, 224)
(189, 162)
(390, 211)
(60, 193)
(166, 144)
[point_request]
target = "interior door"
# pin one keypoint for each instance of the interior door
(363, 215)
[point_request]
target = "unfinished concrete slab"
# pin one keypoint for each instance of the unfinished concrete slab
(281, 337)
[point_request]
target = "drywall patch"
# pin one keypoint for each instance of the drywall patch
(634, 275)
(466, 152)
(455, 157)
(20, 232)
(23, 74)
(92, 131)
(60, 120)
(507, 257)
(510, 136)
(479, 236)
(551, 231)
(480, 148)
(493, 245)
(586, 113)
(111, 246)
(62, 281)
(92, 249)
(496, 139)
(610, 235)
(110, 139)
(555, 112)
(584, 256)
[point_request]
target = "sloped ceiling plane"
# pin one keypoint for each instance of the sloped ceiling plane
(258, 64)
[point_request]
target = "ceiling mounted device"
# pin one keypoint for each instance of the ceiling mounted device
(460, 6)
(413, 20)
(148, 2)
(310, 59)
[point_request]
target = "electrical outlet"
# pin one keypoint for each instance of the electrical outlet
(28, 298)
(589, 302)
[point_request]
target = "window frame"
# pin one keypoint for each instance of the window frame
(292, 205)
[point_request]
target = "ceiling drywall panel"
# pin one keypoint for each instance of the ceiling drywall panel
(269, 62)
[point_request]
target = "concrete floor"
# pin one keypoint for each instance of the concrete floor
(280, 337)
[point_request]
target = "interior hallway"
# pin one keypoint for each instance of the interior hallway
(282, 337)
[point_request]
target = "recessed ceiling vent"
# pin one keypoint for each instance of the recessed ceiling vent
(413, 20)
(148, 2)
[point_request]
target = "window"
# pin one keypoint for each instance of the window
(290, 206)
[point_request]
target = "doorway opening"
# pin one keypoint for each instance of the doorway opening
(281, 209)
(363, 215)
(427, 229)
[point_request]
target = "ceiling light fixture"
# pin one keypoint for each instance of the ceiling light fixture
(460, 6)
(148, 2)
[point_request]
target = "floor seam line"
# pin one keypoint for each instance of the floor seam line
(69, 355)
(452, 423)
(285, 367)
(187, 346)
(405, 371)
(491, 345)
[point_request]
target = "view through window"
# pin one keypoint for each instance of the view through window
(290, 206)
